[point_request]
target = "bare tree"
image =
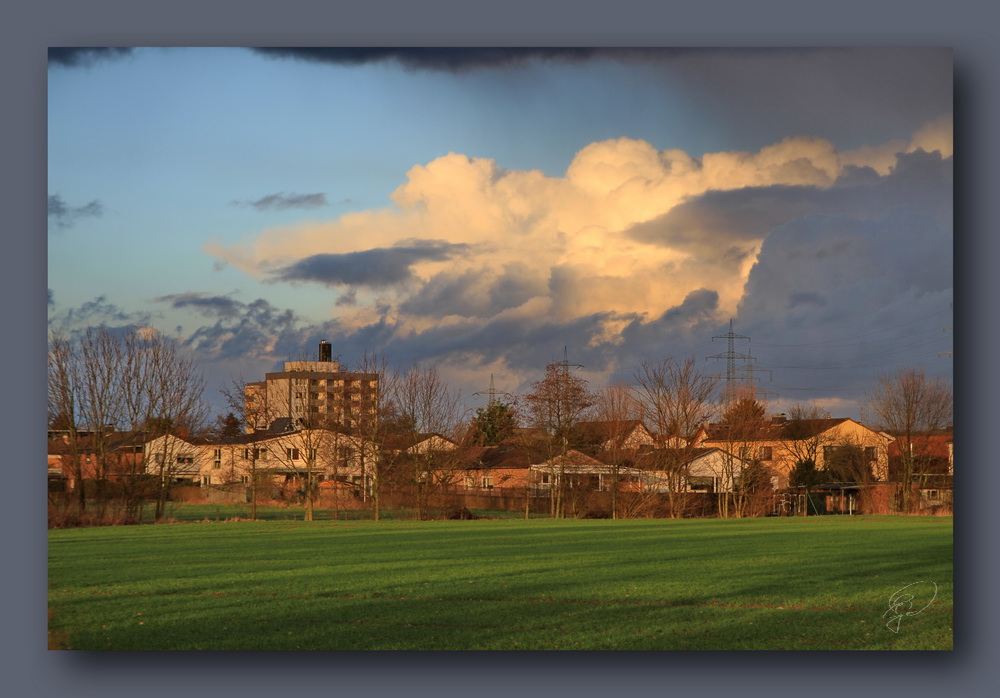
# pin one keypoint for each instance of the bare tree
(309, 452)
(618, 411)
(677, 400)
(743, 430)
(251, 410)
(136, 378)
(799, 435)
(427, 406)
(907, 404)
(100, 397)
(555, 404)
(372, 428)
(63, 387)
(162, 391)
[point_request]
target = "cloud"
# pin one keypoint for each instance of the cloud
(374, 268)
(77, 57)
(447, 59)
(257, 330)
(204, 304)
(99, 311)
(62, 216)
(282, 201)
(632, 253)
(476, 293)
(627, 230)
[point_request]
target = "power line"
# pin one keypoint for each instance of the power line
(730, 355)
(493, 392)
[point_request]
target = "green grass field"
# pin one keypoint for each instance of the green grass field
(816, 583)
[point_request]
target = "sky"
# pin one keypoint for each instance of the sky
(489, 211)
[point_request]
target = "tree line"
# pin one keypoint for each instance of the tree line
(144, 382)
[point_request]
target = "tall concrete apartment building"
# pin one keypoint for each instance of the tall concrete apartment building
(312, 393)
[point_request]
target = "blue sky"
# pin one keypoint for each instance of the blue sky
(484, 209)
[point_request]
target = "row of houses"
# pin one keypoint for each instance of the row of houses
(603, 456)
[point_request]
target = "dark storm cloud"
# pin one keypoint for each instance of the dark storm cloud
(456, 59)
(834, 301)
(475, 293)
(77, 57)
(825, 92)
(717, 219)
(282, 201)
(377, 267)
(448, 59)
(860, 262)
(220, 306)
(61, 215)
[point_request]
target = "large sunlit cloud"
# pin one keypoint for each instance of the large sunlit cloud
(633, 252)
(628, 229)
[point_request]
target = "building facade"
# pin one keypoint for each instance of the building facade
(313, 393)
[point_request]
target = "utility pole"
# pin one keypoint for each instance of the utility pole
(731, 356)
(493, 392)
(748, 371)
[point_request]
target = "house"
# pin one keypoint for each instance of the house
(322, 454)
(707, 469)
(931, 458)
(418, 444)
(780, 444)
(622, 435)
(108, 452)
(576, 470)
(172, 459)
(506, 465)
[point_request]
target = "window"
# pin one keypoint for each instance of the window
(185, 460)
(706, 484)
(217, 465)
(293, 453)
(765, 453)
(470, 481)
(263, 454)
(217, 453)
(488, 482)
(246, 454)
(312, 454)
(871, 454)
